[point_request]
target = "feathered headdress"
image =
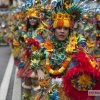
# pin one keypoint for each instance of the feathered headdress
(65, 12)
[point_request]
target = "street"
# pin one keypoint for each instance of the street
(10, 84)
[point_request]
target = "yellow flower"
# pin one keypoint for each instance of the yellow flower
(48, 45)
(33, 47)
(66, 16)
(67, 4)
(30, 11)
(60, 15)
(73, 40)
(33, 13)
(84, 80)
(34, 61)
(70, 48)
(54, 16)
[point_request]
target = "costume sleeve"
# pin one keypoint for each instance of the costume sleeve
(72, 64)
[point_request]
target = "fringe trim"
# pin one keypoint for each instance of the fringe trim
(25, 86)
(36, 88)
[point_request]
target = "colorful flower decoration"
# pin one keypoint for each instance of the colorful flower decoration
(61, 69)
(81, 78)
(32, 44)
(48, 45)
(73, 40)
(61, 16)
(66, 16)
(27, 97)
(21, 64)
(57, 59)
(72, 44)
(33, 13)
(54, 16)
(34, 63)
(70, 48)
(83, 82)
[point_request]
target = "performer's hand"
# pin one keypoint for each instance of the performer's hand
(41, 74)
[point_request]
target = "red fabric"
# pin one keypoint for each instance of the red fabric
(22, 71)
(16, 62)
(29, 73)
(32, 41)
(27, 53)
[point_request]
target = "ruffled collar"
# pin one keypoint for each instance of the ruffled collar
(58, 44)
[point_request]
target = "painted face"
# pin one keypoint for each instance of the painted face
(33, 21)
(61, 33)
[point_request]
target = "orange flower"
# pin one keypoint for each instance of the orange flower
(60, 23)
(48, 45)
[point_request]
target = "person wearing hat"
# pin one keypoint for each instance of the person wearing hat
(34, 25)
(35, 34)
(62, 66)
(69, 67)
(63, 62)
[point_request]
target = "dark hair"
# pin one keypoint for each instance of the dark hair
(21, 39)
(98, 27)
(29, 26)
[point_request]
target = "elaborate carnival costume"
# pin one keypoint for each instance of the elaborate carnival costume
(3, 26)
(17, 28)
(31, 38)
(34, 33)
(70, 72)
(96, 51)
(87, 31)
(3, 33)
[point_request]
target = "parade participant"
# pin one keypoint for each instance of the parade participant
(31, 26)
(16, 27)
(34, 25)
(86, 29)
(34, 29)
(56, 46)
(36, 32)
(85, 25)
(3, 33)
(70, 77)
